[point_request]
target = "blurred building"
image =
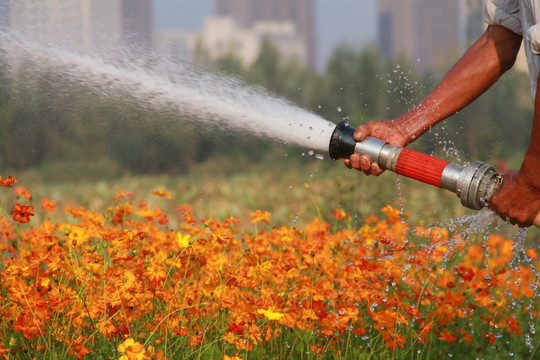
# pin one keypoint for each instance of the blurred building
(222, 35)
(174, 43)
(136, 23)
(430, 33)
(85, 26)
(4, 15)
(280, 13)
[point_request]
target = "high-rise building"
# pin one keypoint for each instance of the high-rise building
(298, 12)
(137, 23)
(431, 33)
(4, 15)
(102, 26)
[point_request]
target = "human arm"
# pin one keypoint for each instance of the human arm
(518, 198)
(479, 68)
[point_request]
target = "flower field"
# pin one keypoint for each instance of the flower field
(137, 282)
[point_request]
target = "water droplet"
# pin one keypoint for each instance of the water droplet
(338, 109)
(319, 156)
(311, 152)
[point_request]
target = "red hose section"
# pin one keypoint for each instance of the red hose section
(425, 168)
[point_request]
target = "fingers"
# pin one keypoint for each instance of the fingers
(364, 164)
(362, 131)
(515, 221)
(376, 170)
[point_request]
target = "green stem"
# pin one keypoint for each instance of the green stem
(308, 188)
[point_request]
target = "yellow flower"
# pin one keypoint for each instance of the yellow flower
(183, 240)
(265, 266)
(131, 350)
(270, 315)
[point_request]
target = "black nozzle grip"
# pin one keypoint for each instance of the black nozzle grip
(342, 141)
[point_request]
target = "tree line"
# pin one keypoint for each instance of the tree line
(51, 120)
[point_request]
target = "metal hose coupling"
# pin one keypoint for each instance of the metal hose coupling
(474, 184)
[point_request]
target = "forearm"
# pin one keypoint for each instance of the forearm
(476, 71)
(518, 198)
(531, 163)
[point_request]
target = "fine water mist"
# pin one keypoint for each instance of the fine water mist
(196, 94)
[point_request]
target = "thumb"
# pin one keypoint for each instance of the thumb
(362, 131)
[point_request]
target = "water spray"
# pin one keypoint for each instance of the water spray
(474, 184)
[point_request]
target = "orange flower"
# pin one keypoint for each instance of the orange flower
(532, 253)
(236, 328)
(22, 213)
(122, 195)
(21, 191)
(48, 205)
(465, 273)
(340, 214)
(7, 182)
(393, 215)
(395, 342)
(155, 273)
(371, 219)
(4, 352)
(260, 216)
(162, 193)
(447, 336)
(467, 337)
(235, 357)
(490, 338)
(77, 348)
(131, 350)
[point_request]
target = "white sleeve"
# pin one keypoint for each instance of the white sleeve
(504, 13)
(533, 37)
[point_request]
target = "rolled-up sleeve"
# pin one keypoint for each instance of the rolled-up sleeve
(533, 37)
(504, 13)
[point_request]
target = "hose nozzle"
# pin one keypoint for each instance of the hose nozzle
(474, 184)
(342, 142)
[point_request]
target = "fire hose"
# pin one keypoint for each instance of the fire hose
(474, 184)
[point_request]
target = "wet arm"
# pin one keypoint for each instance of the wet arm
(479, 68)
(518, 199)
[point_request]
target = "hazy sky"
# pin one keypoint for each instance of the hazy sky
(351, 21)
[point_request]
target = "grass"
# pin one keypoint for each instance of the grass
(223, 186)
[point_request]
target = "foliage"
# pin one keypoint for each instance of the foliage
(135, 282)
